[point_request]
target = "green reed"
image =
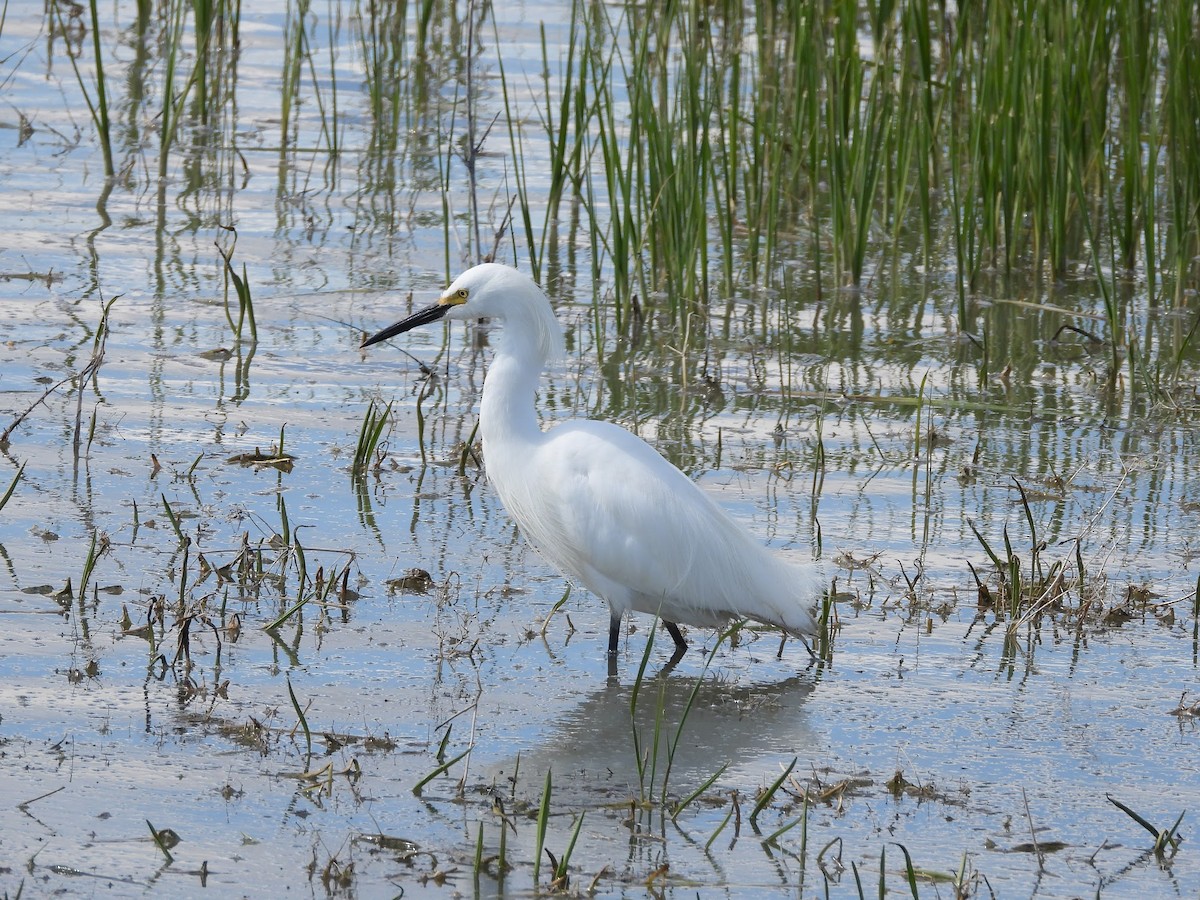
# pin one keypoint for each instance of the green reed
(711, 143)
(299, 58)
(163, 840)
(562, 123)
(543, 820)
(301, 718)
(678, 153)
(241, 287)
(617, 237)
(858, 110)
(698, 153)
(562, 863)
(214, 31)
(765, 798)
(168, 117)
(914, 135)
(647, 758)
(293, 64)
(1181, 111)
(204, 14)
(174, 520)
(89, 565)
(1166, 840)
(382, 46)
(442, 769)
(366, 451)
(394, 80)
(1137, 136)
(1108, 288)
(98, 107)
(12, 486)
(101, 110)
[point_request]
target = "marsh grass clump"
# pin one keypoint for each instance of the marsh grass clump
(664, 746)
(700, 150)
(1034, 583)
(217, 589)
(368, 452)
(707, 146)
(1027, 586)
(241, 287)
(1166, 840)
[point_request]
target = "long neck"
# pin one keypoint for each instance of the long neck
(507, 416)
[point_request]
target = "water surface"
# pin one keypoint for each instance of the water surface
(158, 699)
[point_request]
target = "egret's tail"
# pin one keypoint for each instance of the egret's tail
(796, 607)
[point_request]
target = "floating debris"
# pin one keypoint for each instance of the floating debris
(281, 461)
(413, 581)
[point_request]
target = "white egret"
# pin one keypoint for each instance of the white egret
(599, 502)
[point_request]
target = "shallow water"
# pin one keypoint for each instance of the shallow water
(106, 726)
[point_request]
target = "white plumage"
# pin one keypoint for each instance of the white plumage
(600, 503)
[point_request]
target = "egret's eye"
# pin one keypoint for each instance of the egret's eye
(462, 294)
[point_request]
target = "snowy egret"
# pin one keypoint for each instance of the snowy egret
(600, 503)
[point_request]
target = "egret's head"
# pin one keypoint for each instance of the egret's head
(489, 291)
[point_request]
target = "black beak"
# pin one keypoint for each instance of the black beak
(424, 317)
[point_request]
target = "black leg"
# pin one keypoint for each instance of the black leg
(614, 634)
(676, 636)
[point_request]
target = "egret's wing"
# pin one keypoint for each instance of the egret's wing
(603, 502)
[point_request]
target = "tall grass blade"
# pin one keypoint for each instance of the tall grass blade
(173, 520)
(543, 820)
(560, 871)
(303, 719)
(443, 768)
(1162, 838)
(89, 564)
(909, 872)
(704, 786)
(769, 794)
(12, 486)
(160, 841)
